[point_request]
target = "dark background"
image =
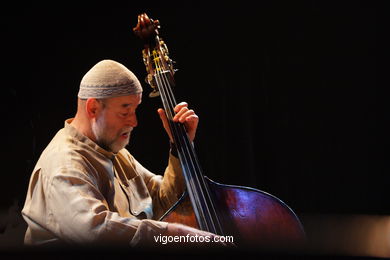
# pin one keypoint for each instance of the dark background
(286, 93)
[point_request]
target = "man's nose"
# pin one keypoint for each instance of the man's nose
(132, 120)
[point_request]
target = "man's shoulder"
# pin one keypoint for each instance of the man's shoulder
(60, 145)
(63, 152)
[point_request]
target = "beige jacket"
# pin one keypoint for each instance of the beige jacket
(81, 193)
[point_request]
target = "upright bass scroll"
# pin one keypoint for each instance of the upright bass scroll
(155, 59)
(251, 216)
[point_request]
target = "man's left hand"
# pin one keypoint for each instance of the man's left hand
(183, 115)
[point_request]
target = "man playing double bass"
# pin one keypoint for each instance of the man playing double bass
(86, 187)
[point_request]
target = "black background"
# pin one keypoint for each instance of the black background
(286, 93)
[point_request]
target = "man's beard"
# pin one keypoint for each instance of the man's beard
(112, 144)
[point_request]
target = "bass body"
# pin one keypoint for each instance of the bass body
(253, 218)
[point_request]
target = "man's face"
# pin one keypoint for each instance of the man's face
(115, 121)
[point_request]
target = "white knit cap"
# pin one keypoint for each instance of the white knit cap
(108, 79)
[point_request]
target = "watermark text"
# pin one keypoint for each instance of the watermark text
(192, 239)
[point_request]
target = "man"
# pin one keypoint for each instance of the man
(87, 188)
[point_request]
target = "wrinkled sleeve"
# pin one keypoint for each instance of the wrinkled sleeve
(165, 190)
(77, 212)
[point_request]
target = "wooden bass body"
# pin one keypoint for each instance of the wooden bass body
(253, 217)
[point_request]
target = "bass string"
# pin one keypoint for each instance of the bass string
(169, 104)
(210, 207)
(197, 181)
(195, 192)
(204, 199)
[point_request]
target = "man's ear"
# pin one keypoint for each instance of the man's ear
(91, 107)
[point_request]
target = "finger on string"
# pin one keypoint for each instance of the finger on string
(183, 117)
(183, 112)
(179, 106)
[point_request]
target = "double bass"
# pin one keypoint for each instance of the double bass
(251, 216)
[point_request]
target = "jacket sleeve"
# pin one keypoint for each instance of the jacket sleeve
(165, 190)
(75, 211)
